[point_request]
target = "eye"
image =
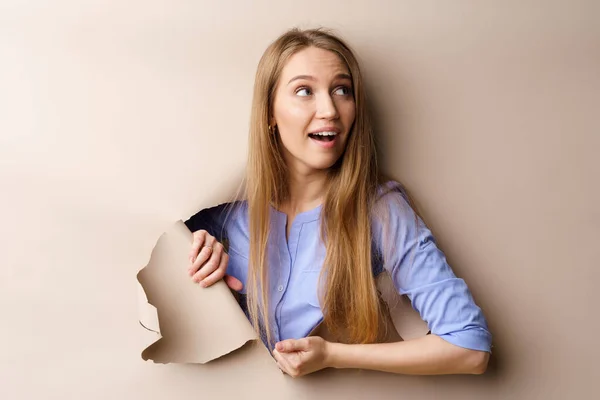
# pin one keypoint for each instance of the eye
(342, 91)
(303, 91)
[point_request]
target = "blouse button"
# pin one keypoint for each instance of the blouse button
(280, 288)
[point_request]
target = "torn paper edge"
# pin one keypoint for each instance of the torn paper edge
(148, 314)
(147, 318)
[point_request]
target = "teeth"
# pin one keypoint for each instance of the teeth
(325, 133)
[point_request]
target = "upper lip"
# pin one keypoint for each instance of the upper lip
(326, 129)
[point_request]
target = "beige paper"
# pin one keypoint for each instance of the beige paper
(119, 118)
(196, 324)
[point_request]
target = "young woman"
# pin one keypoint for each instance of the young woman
(318, 223)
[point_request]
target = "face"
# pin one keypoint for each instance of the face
(313, 109)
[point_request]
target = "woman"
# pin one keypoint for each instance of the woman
(318, 224)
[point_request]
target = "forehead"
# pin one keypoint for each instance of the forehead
(319, 63)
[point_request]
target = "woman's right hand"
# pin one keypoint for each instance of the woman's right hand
(208, 262)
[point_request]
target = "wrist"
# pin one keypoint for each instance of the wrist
(332, 355)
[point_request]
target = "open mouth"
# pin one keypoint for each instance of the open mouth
(323, 136)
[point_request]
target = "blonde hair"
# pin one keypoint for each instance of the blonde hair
(350, 302)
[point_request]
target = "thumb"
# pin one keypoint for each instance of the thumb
(233, 283)
(291, 345)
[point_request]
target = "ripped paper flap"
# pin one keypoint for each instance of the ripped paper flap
(195, 324)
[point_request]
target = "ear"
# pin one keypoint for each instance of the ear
(272, 125)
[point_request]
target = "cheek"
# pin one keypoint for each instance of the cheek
(293, 121)
(348, 113)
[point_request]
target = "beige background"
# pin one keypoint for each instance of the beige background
(117, 118)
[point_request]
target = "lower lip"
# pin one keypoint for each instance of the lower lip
(323, 144)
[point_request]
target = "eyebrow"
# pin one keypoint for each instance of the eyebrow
(312, 78)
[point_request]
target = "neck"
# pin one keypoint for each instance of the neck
(306, 190)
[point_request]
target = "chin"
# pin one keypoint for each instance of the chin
(322, 164)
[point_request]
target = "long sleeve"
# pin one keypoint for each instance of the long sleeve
(419, 270)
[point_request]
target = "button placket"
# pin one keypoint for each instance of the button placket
(284, 268)
(286, 258)
(289, 246)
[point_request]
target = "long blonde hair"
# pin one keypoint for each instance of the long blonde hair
(350, 302)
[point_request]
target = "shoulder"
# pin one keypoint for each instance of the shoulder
(396, 226)
(216, 218)
(392, 201)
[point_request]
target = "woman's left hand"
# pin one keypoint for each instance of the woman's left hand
(298, 357)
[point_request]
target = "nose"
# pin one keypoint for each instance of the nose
(326, 108)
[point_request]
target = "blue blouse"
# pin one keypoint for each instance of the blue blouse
(416, 265)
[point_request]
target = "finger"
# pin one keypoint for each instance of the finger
(207, 269)
(291, 345)
(234, 283)
(280, 364)
(219, 273)
(211, 265)
(203, 256)
(206, 252)
(198, 240)
(283, 363)
(281, 367)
